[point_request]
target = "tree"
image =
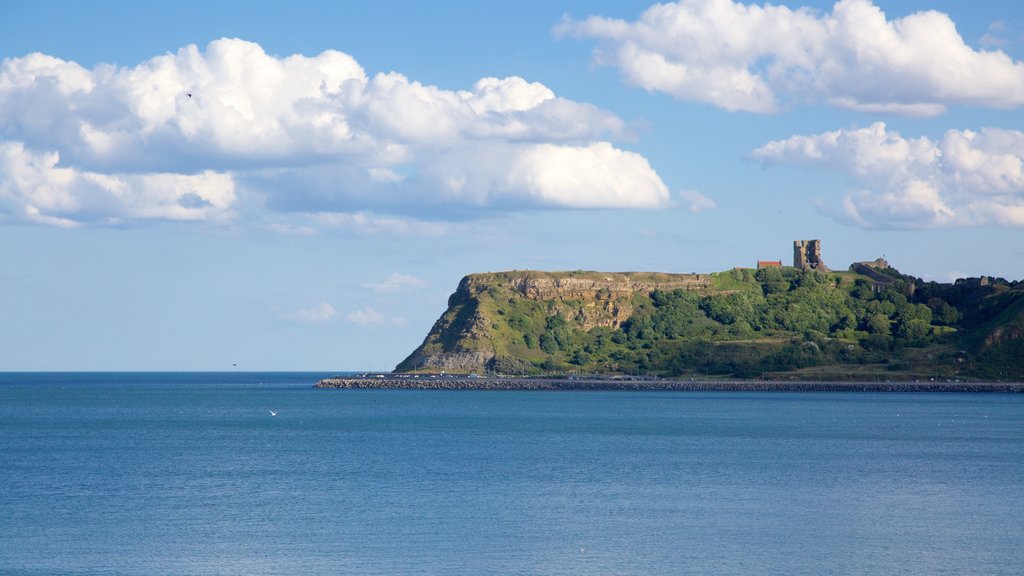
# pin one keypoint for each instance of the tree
(530, 340)
(944, 314)
(509, 365)
(915, 332)
(878, 324)
(863, 290)
(733, 307)
(548, 343)
(580, 358)
(915, 312)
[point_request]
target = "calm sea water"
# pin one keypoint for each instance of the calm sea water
(190, 474)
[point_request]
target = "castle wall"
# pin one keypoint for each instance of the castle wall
(807, 255)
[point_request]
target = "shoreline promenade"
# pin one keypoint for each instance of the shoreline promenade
(459, 382)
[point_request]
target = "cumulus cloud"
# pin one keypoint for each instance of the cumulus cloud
(318, 314)
(396, 282)
(966, 178)
(33, 187)
(594, 176)
(366, 316)
(757, 57)
(193, 134)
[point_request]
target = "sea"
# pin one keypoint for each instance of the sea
(260, 473)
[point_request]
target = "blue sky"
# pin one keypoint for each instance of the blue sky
(300, 186)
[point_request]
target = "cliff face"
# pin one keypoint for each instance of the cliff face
(583, 285)
(475, 329)
(590, 299)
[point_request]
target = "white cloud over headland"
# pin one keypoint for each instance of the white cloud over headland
(757, 58)
(194, 134)
(966, 178)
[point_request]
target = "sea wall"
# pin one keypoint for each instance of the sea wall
(425, 382)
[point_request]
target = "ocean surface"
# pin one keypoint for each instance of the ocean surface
(189, 473)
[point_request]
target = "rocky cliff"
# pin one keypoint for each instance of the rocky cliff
(474, 330)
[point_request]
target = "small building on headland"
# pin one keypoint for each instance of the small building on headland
(769, 264)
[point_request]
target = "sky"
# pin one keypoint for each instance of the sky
(300, 186)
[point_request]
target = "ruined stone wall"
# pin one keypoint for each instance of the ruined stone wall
(807, 255)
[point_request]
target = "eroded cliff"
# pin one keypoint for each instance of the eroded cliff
(487, 313)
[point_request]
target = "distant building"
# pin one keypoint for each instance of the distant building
(769, 264)
(877, 263)
(879, 281)
(807, 255)
(974, 282)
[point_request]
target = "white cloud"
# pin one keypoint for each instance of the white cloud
(318, 314)
(757, 57)
(396, 282)
(695, 201)
(33, 187)
(594, 176)
(300, 134)
(366, 316)
(365, 223)
(965, 179)
(994, 37)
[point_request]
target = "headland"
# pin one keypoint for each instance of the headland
(803, 323)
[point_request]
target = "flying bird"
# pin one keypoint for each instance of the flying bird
(272, 413)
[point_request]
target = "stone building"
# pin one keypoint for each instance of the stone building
(807, 255)
(872, 269)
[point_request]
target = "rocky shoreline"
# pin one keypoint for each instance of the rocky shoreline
(448, 382)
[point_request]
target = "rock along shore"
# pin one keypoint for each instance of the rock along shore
(447, 382)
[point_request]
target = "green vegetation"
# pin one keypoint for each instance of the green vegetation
(771, 323)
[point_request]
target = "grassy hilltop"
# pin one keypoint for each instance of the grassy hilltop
(775, 323)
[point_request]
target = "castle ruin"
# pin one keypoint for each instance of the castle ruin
(807, 255)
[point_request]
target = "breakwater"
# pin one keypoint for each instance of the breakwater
(447, 382)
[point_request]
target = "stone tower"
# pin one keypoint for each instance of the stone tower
(807, 255)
